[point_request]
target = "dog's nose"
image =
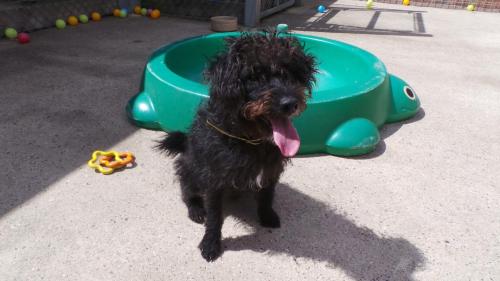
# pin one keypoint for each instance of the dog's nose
(288, 105)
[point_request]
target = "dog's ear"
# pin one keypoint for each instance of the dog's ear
(223, 73)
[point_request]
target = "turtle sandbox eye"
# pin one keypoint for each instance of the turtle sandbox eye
(409, 92)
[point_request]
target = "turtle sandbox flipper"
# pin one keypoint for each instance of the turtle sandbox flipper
(141, 111)
(354, 137)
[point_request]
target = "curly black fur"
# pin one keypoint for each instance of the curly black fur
(250, 81)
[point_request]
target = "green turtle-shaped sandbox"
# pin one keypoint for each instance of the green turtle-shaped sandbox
(353, 97)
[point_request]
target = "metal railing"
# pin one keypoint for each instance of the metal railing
(255, 10)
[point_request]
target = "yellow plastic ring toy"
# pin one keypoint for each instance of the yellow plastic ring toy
(92, 163)
(121, 161)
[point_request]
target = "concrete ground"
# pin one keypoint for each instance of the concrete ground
(424, 206)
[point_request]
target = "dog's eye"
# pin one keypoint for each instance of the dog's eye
(409, 92)
(256, 95)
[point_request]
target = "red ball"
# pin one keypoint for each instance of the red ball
(23, 38)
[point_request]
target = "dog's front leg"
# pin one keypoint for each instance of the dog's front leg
(267, 216)
(210, 245)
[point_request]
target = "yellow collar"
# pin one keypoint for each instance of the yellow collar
(252, 142)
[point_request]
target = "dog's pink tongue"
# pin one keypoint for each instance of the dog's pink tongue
(285, 136)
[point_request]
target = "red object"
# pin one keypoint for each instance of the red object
(23, 38)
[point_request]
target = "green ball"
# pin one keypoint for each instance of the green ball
(10, 33)
(60, 24)
(144, 11)
(83, 18)
(123, 13)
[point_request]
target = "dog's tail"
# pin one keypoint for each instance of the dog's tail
(173, 143)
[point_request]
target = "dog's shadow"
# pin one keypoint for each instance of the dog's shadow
(311, 229)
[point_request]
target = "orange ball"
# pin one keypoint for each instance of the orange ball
(95, 16)
(72, 20)
(155, 14)
(137, 9)
(116, 12)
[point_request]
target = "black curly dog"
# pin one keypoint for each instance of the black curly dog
(242, 137)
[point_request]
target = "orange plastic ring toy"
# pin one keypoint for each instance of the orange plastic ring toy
(110, 161)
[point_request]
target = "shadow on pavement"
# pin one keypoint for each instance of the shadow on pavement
(63, 95)
(313, 230)
(354, 20)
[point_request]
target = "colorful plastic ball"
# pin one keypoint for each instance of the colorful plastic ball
(369, 4)
(282, 28)
(471, 7)
(144, 11)
(406, 2)
(60, 24)
(72, 20)
(150, 11)
(23, 38)
(95, 16)
(83, 18)
(116, 12)
(137, 10)
(10, 33)
(155, 14)
(123, 13)
(321, 9)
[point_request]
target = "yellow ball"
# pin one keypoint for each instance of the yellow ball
(369, 4)
(406, 2)
(471, 7)
(72, 20)
(116, 12)
(95, 16)
(137, 10)
(155, 14)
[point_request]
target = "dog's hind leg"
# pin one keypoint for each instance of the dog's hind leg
(267, 216)
(210, 245)
(194, 203)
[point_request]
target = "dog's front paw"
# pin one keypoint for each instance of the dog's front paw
(196, 214)
(210, 247)
(269, 218)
